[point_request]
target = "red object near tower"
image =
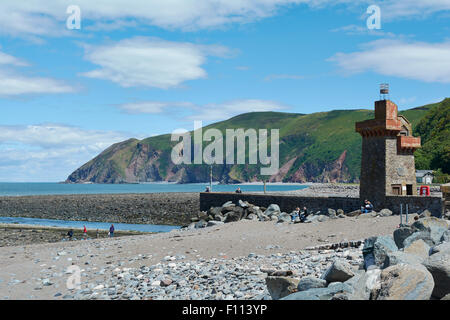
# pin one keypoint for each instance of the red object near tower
(425, 190)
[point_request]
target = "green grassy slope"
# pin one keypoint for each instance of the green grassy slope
(318, 147)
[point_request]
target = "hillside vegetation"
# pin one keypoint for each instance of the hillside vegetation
(317, 147)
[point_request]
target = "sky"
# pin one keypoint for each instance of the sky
(139, 68)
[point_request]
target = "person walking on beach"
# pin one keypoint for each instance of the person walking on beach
(111, 231)
(70, 234)
(85, 232)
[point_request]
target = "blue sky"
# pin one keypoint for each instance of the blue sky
(141, 68)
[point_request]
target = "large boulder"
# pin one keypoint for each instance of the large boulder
(310, 282)
(424, 235)
(445, 236)
(438, 265)
(215, 211)
(234, 215)
(284, 217)
(405, 282)
(383, 245)
(339, 271)
(418, 248)
(280, 287)
(401, 234)
(363, 283)
(353, 213)
(201, 224)
(425, 214)
(213, 223)
(332, 213)
(399, 257)
(445, 246)
(321, 293)
(385, 213)
(323, 218)
(435, 226)
(273, 209)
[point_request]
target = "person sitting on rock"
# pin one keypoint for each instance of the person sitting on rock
(238, 190)
(367, 208)
(295, 215)
(304, 215)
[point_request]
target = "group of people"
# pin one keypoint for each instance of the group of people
(110, 233)
(299, 215)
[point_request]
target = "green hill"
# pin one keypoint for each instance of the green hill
(434, 129)
(317, 147)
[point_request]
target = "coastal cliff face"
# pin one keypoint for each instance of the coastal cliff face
(318, 147)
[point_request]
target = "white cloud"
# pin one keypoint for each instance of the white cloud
(224, 111)
(207, 113)
(35, 17)
(49, 152)
(12, 83)
(153, 107)
(429, 62)
(150, 62)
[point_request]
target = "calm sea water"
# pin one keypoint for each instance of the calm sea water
(52, 188)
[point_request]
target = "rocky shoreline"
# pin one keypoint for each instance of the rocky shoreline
(149, 208)
(20, 235)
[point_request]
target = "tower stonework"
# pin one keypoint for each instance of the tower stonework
(387, 162)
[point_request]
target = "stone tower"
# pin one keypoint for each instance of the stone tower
(387, 162)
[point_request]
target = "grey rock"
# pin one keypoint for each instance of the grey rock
(443, 247)
(445, 236)
(319, 293)
(280, 287)
(383, 245)
(353, 213)
(399, 257)
(201, 224)
(425, 214)
(438, 265)
(214, 223)
(243, 204)
(385, 213)
(339, 271)
(401, 234)
(310, 282)
(331, 213)
(418, 248)
(424, 235)
(272, 209)
(405, 282)
(323, 218)
(228, 204)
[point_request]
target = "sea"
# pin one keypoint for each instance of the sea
(54, 188)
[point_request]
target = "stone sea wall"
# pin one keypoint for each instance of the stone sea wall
(287, 203)
(150, 208)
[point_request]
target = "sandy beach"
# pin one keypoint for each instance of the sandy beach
(39, 271)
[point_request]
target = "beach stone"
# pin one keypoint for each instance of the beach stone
(342, 216)
(243, 204)
(438, 265)
(385, 213)
(339, 271)
(323, 218)
(418, 248)
(284, 217)
(383, 245)
(398, 257)
(272, 209)
(213, 223)
(425, 214)
(228, 204)
(424, 235)
(233, 216)
(310, 282)
(443, 247)
(280, 287)
(427, 224)
(201, 224)
(353, 213)
(400, 234)
(340, 211)
(445, 236)
(364, 283)
(320, 293)
(405, 282)
(331, 213)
